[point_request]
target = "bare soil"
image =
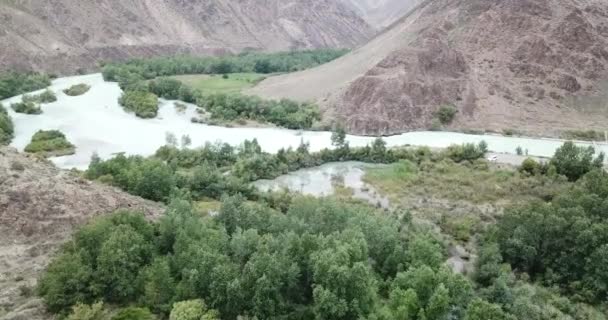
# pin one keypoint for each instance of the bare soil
(40, 206)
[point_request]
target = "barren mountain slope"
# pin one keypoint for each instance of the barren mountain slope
(64, 35)
(39, 208)
(533, 65)
(381, 13)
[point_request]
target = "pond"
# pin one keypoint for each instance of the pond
(95, 122)
(326, 179)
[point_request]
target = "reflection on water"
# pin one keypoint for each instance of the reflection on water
(324, 180)
(94, 122)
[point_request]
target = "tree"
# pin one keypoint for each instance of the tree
(120, 258)
(192, 310)
(66, 282)
(159, 286)
(573, 161)
(482, 310)
(88, 312)
(170, 139)
(439, 304)
(338, 137)
(186, 141)
(133, 313)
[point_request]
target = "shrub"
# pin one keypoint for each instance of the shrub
(13, 83)
(88, 312)
(133, 313)
(77, 89)
(530, 166)
(192, 310)
(45, 97)
(50, 143)
(143, 104)
(26, 107)
(7, 128)
(446, 114)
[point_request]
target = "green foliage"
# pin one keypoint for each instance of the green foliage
(13, 83)
(549, 240)
(143, 104)
(285, 113)
(148, 178)
(482, 310)
(245, 62)
(446, 114)
(133, 313)
(77, 89)
(88, 312)
(585, 135)
(192, 310)
(45, 97)
(26, 107)
(573, 161)
(50, 143)
(321, 258)
(7, 129)
(467, 152)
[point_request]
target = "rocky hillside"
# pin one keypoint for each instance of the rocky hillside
(539, 66)
(67, 35)
(381, 13)
(39, 208)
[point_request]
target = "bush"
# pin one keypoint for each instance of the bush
(26, 107)
(77, 89)
(143, 104)
(467, 152)
(13, 83)
(7, 128)
(133, 313)
(192, 310)
(45, 97)
(88, 312)
(446, 114)
(50, 143)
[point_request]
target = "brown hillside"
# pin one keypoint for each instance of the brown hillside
(40, 206)
(533, 65)
(66, 35)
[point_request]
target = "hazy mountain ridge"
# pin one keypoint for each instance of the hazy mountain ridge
(63, 36)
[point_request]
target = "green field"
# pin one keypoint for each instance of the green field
(235, 82)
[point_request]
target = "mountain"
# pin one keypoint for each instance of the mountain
(537, 66)
(381, 13)
(67, 35)
(40, 206)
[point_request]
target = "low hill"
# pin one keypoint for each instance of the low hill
(40, 206)
(538, 66)
(69, 35)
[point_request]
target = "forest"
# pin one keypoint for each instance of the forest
(285, 256)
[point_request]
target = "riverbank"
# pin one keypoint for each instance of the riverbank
(95, 123)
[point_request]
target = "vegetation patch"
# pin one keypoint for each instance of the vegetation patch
(7, 129)
(77, 89)
(446, 114)
(212, 84)
(584, 135)
(26, 107)
(143, 104)
(47, 96)
(249, 62)
(51, 143)
(14, 83)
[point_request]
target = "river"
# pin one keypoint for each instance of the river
(94, 122)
